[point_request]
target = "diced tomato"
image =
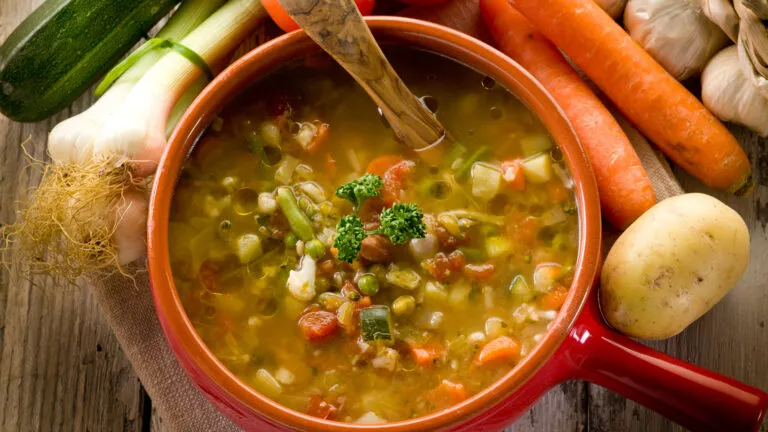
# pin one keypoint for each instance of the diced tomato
(427, 354)
(318, 326)
(557, 191)
(381, 164)
(438, 266)
(321, 137)
(503, 348)
(512, 173)
(446, 394)
(555, 298)
(445, 238)
(320, 408)
(527, 230)
(394, 181)
(457, 260)
(480, 272)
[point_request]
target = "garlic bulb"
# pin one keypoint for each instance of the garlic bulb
(614, 8)
(730, 95)
(675, 32)
(753, 41)
(722, 13)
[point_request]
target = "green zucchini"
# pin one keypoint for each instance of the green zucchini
(376, 324)
(64, 46)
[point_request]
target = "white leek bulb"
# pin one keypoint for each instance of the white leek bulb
(614, 8)
(730, 95)
(675, 32)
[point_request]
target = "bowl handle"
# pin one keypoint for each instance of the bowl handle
(691, 396)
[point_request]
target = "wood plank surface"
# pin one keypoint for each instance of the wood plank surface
(61, 368)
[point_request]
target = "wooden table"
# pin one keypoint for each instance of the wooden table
(61, 368)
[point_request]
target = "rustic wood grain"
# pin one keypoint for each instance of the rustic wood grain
(62, 370)
(732, 339)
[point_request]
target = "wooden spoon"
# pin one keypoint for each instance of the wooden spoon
(338, 27)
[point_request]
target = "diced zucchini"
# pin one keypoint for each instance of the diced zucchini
(376, 324)
(538, 169)
(497, 246)
(486, 180)
(520, 289)
(403, 278)
(435, 293)
(535, 143)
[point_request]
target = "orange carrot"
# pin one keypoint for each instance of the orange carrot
(625, 189)
(425, 355)
(512, 172)
(447, 394)
(501, 348)
(554, 299)
(381, 164)
(651, 98)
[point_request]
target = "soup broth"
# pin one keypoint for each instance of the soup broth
(405, 329)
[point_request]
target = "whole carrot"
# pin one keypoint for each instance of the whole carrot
(652, 100)
(625, 189)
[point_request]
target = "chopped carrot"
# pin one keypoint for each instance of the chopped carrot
(652, 99)
(512, 173)
(381, 164)
(330, 162)
(557, 191)
(503, 348)
(426, 355)
(364, 302)
(554, 299)
(625, 189)
(527, 230)
(320, 408)
(447, 394)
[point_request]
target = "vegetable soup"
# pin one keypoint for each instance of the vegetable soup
(340, 274)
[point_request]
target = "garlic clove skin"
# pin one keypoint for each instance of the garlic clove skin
(730, 95)
(722, 13)
(676, 33)
(614, 8)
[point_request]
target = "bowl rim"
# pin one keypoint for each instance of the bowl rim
(400, 31)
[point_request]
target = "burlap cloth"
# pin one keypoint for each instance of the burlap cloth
(130, 311)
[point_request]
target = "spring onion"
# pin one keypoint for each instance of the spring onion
(90, 209)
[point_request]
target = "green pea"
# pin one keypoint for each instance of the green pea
(290, 240)
(314, 248)
(404, 305)
(368, 284)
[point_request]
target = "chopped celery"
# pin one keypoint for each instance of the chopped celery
(535, 143)
(497, 246)
(473, 254)
(486, 180)
(403, 278)
(538, 169)
(519, 288)
(465, 166)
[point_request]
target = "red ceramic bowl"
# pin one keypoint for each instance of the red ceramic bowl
(578, 344)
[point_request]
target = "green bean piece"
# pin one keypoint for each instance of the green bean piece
(463, 170)
(368, 284)
(315, 248)
(298, 221)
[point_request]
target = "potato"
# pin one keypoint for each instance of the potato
(673, 265)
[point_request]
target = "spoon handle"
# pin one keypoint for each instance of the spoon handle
(338, 28)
